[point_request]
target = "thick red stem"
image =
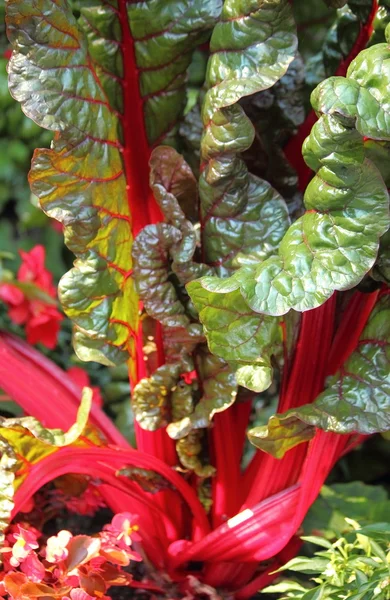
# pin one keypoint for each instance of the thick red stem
(348, 333)
(136, 151)
(266, 475)
(261, 581)
(227, 437)
(143, 207)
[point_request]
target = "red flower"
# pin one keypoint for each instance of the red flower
(26, 306)
(86, 504)
(123, 529)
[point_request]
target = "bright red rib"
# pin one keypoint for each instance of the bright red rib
(136, 151)
(143, 207)
(353, 322)
(266, 475)
(118, 458)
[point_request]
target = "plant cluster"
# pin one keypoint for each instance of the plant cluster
(78, 567)
(217, 257)
(356, 566)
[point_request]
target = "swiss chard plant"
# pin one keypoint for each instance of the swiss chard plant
(262, 266)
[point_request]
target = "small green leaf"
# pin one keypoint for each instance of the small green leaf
(318, 541)
(364, 503)
(284, 586)
(309, 566)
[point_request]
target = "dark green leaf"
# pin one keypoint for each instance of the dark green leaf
(251, 48)
(336, 242)
(335, 3)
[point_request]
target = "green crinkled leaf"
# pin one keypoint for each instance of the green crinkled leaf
(339, 40)
(219, 392)
(335, 243)
(151, 396)
(163, 256)
(51, 74)
(313, 22)
(72, 78)
(151, 272)
(251, 235)
(276, 114)
(361, 8)
(251, 48)
(252, 45)
(164, 34)
(338, 43)
(381, 270)
(174, 185)
(190, 447)
(356, 399)
(165, 247)
(190, 135)
(380, 22)
(238, 335)
(188, 451)
(255, 377)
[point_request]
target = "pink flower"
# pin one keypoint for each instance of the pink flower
(41, 317)
(78, 594)
(25, 542)
(56, 547)
(122, 528)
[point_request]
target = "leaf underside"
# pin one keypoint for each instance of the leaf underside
(356, 398)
